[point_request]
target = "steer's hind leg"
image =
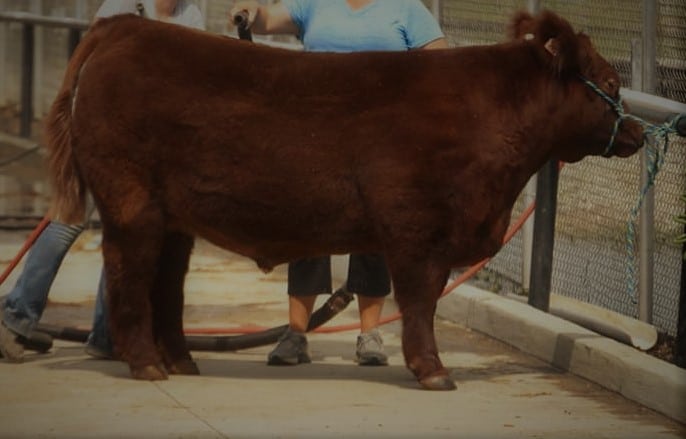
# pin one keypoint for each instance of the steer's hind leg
(167, 302)
(131, 254)
(418, 284)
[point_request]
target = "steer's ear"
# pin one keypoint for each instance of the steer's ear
(553, 37)
(521, 26)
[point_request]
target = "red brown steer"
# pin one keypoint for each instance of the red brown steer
(279, 155)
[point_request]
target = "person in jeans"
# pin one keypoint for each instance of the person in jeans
(341, 26)
(24, 306)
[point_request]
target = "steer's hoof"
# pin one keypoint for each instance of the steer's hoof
(149, 373)
(438, 382)
(184, 367)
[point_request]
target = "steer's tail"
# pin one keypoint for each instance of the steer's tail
(68, 188)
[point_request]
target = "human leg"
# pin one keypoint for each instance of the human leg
(99, 343)
(370, 309)
(299, 312)
(26, 302)
(368, 277)
(306, 279)
(291, 348)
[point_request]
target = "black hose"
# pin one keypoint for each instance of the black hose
(338, 301)
(63, 332)
(37, 341)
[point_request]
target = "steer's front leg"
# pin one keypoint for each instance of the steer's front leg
(418, 285)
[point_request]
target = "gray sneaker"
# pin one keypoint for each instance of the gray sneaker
(370, 349)
(10, 348)
(291, 350)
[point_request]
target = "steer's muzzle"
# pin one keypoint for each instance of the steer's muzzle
(629, 137)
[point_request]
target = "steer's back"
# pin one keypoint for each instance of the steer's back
(254, 148)
(278, 154)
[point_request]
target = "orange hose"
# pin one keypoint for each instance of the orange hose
(471, 271)
(248, 329)
(27, 245)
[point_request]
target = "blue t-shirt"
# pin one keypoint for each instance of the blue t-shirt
(331, 26)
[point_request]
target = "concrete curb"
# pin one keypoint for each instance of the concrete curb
(635, 375)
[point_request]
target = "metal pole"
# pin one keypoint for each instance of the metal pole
(646, 238)
(533, 6)
(544, 236)
(73, 41)
(544, 224)
(680, 354)
(4, 41)
(528, 197)
(26, 80)
(436, 10)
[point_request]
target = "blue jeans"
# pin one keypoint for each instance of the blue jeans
(100, 333)
(24, 305)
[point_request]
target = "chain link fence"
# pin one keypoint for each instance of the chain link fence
(596, 195)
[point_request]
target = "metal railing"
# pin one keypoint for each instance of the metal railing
(29, 22)
(645, 105)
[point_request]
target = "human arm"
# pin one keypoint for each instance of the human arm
(439, 43)
(194, 18)
(423, 30)
(271, 19)
(109, 8)
(180, 12)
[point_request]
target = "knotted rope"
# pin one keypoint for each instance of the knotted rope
(656, 146)
(656, 138)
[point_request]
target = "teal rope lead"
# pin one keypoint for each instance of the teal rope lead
(657, 144)
(656, 137)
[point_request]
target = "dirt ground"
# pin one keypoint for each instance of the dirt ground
(666, 349)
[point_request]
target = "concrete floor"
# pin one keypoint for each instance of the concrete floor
(502, 392)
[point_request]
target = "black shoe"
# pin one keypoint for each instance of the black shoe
(291, 350)
(37, 341)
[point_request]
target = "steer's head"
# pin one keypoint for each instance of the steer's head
(592, 120)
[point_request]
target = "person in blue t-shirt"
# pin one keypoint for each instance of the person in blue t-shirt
(342, 26)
